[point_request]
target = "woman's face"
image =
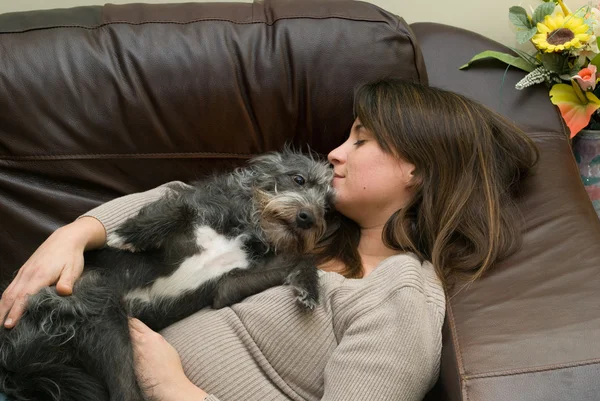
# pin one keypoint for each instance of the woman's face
(370, 184)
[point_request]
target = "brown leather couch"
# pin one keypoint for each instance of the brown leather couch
(97, 102)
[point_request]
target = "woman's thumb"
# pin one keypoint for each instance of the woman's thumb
(65, 282)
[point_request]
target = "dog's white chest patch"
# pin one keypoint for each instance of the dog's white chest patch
(218, 255)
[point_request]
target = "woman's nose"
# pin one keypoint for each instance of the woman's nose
(335, 156)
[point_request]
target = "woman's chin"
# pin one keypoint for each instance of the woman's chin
(342, 207)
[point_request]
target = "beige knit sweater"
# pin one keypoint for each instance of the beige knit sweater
(376, 338)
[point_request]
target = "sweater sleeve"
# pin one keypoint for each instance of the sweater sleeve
(115, 212)
(389, 352)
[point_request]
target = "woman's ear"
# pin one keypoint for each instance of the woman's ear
(414, 179)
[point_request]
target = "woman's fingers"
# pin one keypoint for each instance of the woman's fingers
(7, 299)
(30, 280)
(134, 325)
(18, 302)
(16, 310)
(66, 280)
(13, 295)
(58, 260)
(70, 274)
(138, 328)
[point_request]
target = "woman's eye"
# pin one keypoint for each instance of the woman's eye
(359, 142)
(298, 179)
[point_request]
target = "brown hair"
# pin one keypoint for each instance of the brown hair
(469, 162)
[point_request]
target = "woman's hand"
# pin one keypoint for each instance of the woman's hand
(158, 366)
(59, 260)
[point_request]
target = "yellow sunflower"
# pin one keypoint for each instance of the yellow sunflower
(558, 33)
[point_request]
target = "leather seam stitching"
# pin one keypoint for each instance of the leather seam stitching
(459, 361)
(540, 369)
(186, 22)
(183, 155)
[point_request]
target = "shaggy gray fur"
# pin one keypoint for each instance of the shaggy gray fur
(266, 219)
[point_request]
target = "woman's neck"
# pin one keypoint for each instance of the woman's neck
(371, 248)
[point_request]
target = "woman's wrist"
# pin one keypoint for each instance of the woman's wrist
(85, 232)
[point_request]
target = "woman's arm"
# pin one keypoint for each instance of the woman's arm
(388, 352)
(59, 259)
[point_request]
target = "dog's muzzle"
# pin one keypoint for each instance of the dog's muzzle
(305, 219)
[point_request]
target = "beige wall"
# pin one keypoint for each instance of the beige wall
(487, 17)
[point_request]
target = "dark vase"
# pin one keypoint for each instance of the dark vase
(586, 148)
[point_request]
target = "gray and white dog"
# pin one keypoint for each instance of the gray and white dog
(213, 244)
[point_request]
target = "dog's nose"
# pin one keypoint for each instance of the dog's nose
(305, 219)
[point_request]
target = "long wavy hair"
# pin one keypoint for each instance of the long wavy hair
(469, 164)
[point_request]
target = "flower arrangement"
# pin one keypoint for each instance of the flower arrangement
(566, 58)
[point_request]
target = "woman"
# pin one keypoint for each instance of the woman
(425, 176)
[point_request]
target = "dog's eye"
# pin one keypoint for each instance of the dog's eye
(298, 179)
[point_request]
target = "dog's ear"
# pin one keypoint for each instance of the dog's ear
(261, 197)
(304, 150)
(263, 170)
(333, 223)
(266, 161)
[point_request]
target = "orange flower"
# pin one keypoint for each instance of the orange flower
(586, 77)
(576, 106)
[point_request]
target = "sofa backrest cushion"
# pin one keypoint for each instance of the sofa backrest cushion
(97, 102)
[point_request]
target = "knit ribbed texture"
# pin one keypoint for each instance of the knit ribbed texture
(377, 338)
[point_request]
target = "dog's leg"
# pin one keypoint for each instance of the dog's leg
(241, 283)
(103, 343)
(156, 225)
(113, 351)
(304, 279)
(162, 313)
(227, 290)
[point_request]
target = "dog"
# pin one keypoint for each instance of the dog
(225, 238)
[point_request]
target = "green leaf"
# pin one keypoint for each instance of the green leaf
(504, 57)
(573, 71)
(524, 36)
(518, 16)
(526, 56)
(555, 62)
(596, 59)
(590, 180)
(541, 11)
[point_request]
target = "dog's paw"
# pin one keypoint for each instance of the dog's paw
(221, 301)
(116, 241)
(305, 299)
